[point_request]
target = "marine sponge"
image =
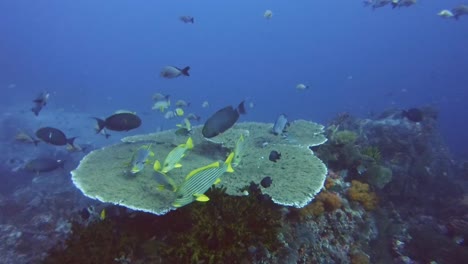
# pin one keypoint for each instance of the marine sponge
(359, 192)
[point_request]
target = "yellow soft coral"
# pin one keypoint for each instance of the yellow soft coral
(359, 192)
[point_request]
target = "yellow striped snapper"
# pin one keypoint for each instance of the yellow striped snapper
(164, 181)
(140, 158)
(238, 150)
(198, 181)
(173, 158)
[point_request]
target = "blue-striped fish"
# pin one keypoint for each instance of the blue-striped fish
(200, 180)
(173, 158)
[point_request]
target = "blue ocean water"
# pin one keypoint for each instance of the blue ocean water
(96, 57)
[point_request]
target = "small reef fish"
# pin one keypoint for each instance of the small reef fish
(43, 165)
(198, 181)
(119, 122)
(40, 102)
(25, 138)
(175, 113)
(141, 158)
(268, 14)
(162, 104)
(302, 86)
(164, 182)
(54, 136)
(193, 116)
(266, 182)
(402, 3)
(187, 19)
(380, 3)
(222, 120)
(445, 13)
(182, 103)
(159, 96)
(184, 129)
(173, 158)
(274, 156)
(205, 104)
(459, 11)
(280, 125)
(238, 149)
(171, 72)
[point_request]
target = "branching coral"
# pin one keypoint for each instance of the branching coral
(360, 192)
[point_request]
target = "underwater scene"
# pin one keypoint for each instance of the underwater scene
(208, 132)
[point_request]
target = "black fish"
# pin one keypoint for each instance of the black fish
(119, 122)
(274, 156)
(187, 19)
(40, 102)
(85, 214)
(43, 165)
(266, 182)
(413, 114)
(54, 136)
(222, 120)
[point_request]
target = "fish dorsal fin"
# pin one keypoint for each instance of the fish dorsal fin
(217, 181)
(189, 143)
(229, 161)
(201, 197)
(196, 171)
(157, 165)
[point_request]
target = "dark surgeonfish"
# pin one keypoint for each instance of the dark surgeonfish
(40, 102)
(222, 120)
(43, 165)
(54, 136)
(123, 121)
(187, 19)
(171, 72)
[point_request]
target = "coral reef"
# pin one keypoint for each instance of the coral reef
(359, 192)
(228, 228)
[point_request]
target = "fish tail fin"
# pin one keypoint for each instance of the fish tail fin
(229, 161)
(192, 20)
(241, 108)
(61, 163)
(185, 71)
(71, 140)
(37, 110)
(100, 125)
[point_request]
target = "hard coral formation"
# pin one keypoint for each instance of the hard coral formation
(359, 192)
(222, 230)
